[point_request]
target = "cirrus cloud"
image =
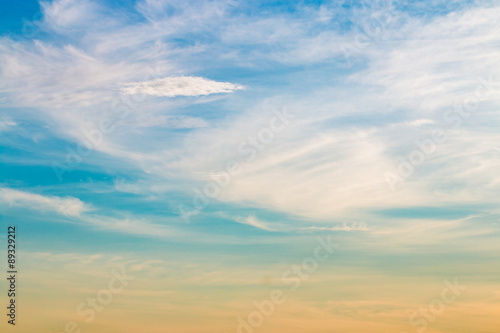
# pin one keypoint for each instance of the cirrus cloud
(68, 206)
(180, 86)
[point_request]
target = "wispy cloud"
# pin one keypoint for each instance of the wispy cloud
(254, 222)
(180, 86)
(68, 206)
(419, 122)
(6, 125)
(82, 212)
(343, 227)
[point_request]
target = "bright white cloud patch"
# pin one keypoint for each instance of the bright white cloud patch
(180, 86)
(254, 222)
(66, 206)
(419, 122)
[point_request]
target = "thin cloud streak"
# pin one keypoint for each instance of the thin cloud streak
(180, 86)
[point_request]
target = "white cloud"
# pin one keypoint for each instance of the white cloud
(178, 122)
(64, 15)
(75, 208)
(419, 122)
(344, 227)
(254, 222)
(180, 86)
(436, 64)
(129, 226)
(6, 125)
(68, 206)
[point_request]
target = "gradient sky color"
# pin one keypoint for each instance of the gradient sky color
(207, 145)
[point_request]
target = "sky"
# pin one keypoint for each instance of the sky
(206, 147)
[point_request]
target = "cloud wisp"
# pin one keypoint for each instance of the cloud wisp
(68, 206)
(180, 86)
